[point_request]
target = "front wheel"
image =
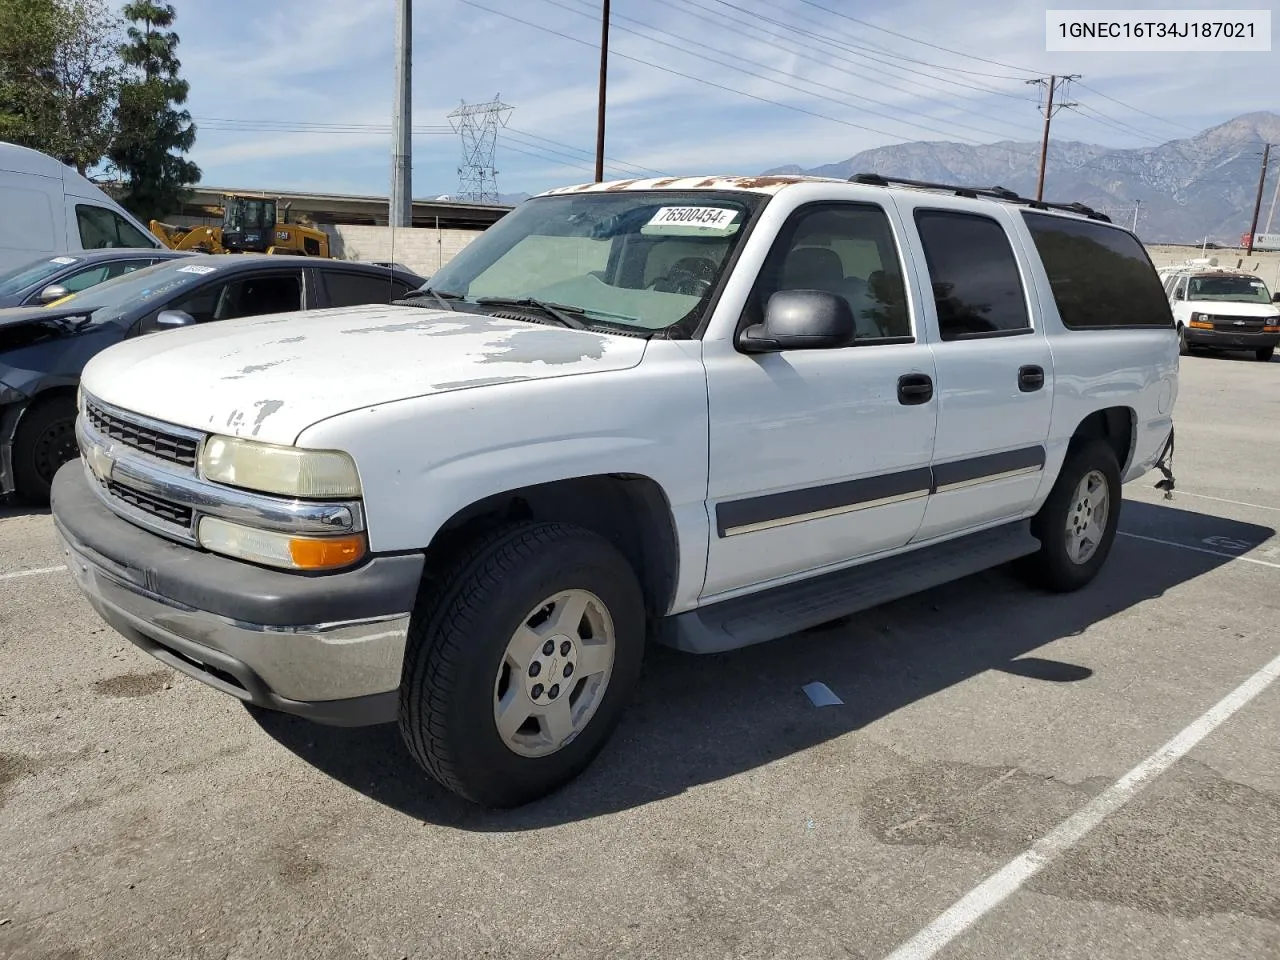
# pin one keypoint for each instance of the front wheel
(1077, 524)
(45, 440)
(1184, 348)
(521, 658)
(1265, 353)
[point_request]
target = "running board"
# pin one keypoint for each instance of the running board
(788, 609)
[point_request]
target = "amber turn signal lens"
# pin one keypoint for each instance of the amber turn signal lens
(324, 554)
(1200, 325)
(1271, 329)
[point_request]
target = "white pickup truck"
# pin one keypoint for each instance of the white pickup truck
(704, 411)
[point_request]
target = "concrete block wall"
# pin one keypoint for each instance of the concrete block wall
(422, 249)
(1263, 263)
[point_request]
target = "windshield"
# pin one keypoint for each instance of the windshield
(1234, 289)
(248, 215)
(648, 260)
(112, 298)
(15, 281)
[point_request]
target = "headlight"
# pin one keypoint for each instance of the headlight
(280, 549)
(272, 469)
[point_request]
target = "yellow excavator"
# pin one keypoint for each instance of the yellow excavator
(249, 225)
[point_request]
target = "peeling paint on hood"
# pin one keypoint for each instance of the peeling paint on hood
(271, 377)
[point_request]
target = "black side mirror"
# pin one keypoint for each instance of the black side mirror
(55, 291)
(801, 320)
(1275, 298)
(168, 320)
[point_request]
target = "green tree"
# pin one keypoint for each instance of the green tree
(152, 132)
(59, 77)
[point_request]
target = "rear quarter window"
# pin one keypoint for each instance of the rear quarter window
(1101, 277)
(350, 289)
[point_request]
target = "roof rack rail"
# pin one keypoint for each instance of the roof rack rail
(996, 193)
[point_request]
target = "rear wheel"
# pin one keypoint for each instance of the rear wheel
(44, 441)
(521, 658)
(1077, 524)
(1265, 353)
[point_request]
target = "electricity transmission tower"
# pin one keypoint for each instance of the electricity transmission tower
(478, 125)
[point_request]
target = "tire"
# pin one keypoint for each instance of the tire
(1265, 353)
(459, 662)
(44, 441)
(1054, 567)
(1184, 348)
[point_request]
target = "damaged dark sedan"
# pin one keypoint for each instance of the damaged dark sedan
(44, 349)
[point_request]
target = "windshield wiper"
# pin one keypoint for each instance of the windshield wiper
(566, 315)
(441, 297)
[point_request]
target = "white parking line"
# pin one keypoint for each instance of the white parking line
(970, 908)
(1212, 553)
(31, 573)
(1238, 503)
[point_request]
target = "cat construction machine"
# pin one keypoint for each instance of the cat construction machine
(249, 225)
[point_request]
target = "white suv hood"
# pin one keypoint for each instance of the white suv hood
(272, 377)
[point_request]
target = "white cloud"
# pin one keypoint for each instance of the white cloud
(331, 61)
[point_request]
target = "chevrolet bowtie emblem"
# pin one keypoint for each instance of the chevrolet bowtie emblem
(100, 462)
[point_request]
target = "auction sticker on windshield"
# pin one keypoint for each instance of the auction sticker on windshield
(698, 221)
(195, 268)
(65, 261)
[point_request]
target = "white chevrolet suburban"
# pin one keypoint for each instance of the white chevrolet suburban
(704, 411)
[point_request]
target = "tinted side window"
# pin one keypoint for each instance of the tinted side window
(846, 249)
(976, 285)
(352, 289)
(96, 275)
(250, 297)
(1100, 276)
(102, 228)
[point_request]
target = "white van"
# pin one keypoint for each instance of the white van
(46, 207)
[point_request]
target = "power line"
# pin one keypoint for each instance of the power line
(837, 44)
(1129, 106)
(703, 47)
(808, 49)
(688, 76)
(374, 129)
(613, 161)
(925, 43)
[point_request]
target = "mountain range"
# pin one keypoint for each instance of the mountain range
(1185, 190)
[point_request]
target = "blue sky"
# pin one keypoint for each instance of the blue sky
(262, 71)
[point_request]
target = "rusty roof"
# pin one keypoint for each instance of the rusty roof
(761, 184)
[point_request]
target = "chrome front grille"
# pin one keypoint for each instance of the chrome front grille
(145, 471)
(142, 437)
(175, 513)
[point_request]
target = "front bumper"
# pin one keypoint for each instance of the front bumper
(326, 647)
(1229, 340)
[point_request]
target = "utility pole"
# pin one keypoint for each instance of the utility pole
(1274, 197)
(1050, 109)
(604, 75)
(1136, 205)
(401, 211)
(1257, 204)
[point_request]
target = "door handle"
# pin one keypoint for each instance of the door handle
(1030, 378)
(914, 388)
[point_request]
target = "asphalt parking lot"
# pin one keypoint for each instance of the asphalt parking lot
(143, 815)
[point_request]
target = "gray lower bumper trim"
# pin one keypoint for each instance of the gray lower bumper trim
(149, 623)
